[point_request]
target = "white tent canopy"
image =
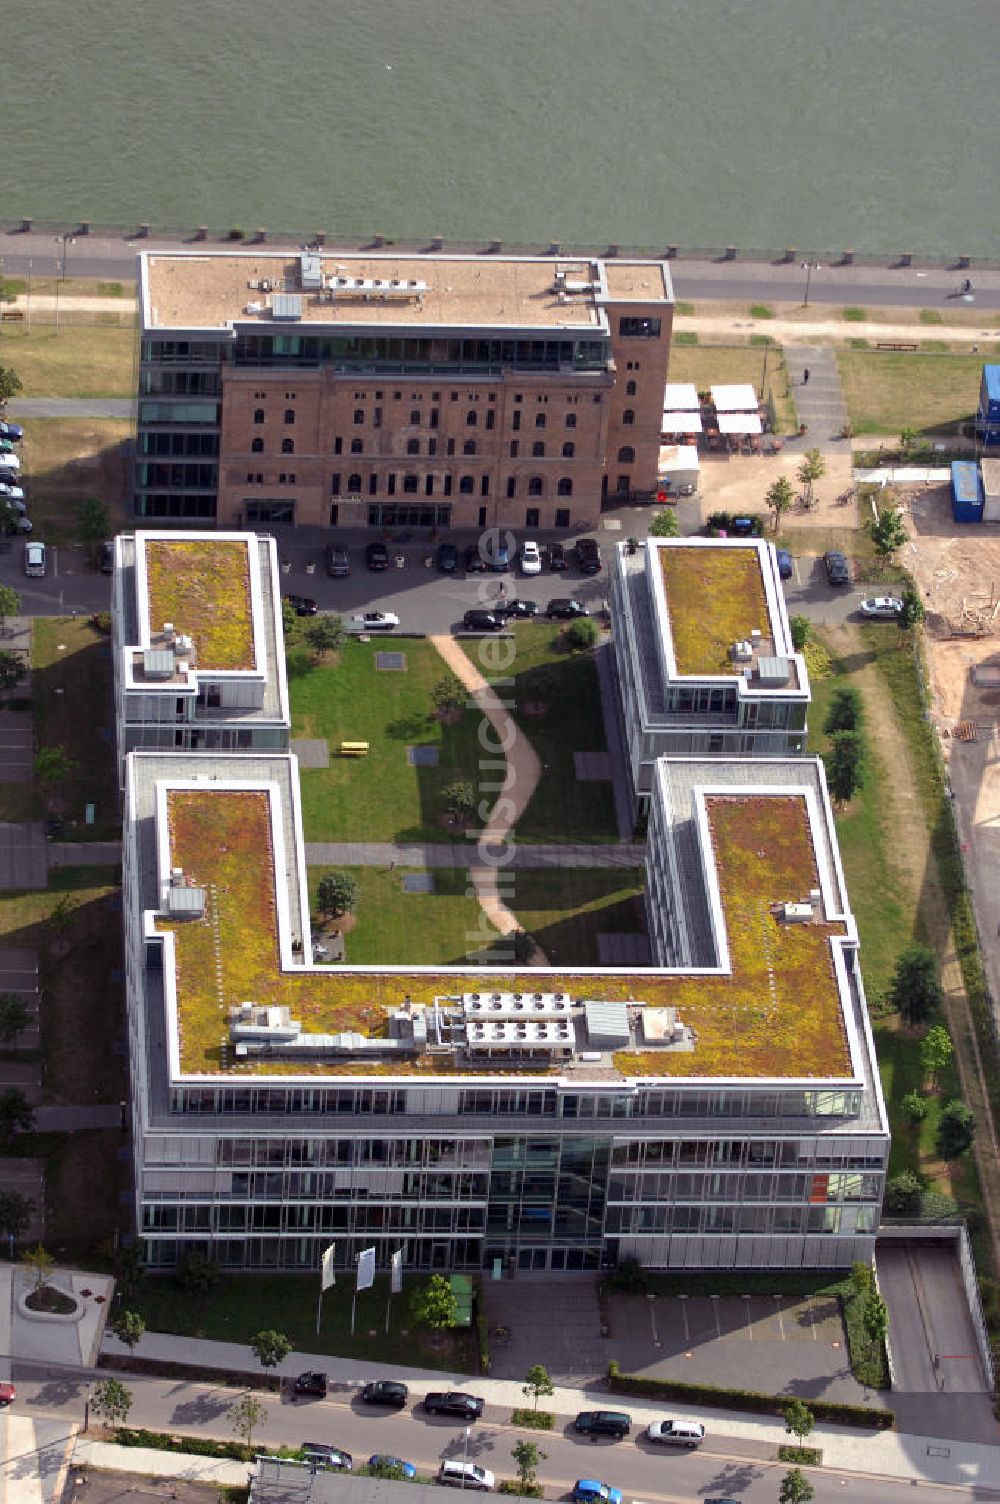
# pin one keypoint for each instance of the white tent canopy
(734, 399)
(676, 460)
(739, 423)
(681, 397)
(677, 422)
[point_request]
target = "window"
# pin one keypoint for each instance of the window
(628, 417)
(491, 418)
(469, 447)
(471, 418)
(413, 446)
(531, 517)
(562, 516)
(338, 445)
(354, 482)
(376, 417)
(410, 483)
(357, 446)
(414, 415)
(335, 483)
(432, 446)
(434, 417)
(372, 484)
(536, 486)
(514, 447)
(539, 420)
(511, 483)
(257, 447)
(571, 420)
(249, 477)
(484, 485)
(359, 416)
(538, 450)
(258, 415)
(626, 455)
(565, 487)
(630, 388)
(289, 415)
(569, 450)
(451, 446)
(288, 446)
(632, 328)
(467, 484)
(515, 425)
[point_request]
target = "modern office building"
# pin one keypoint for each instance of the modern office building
(198, 644)
(381, 390)
(703, 654)
(718, 1109)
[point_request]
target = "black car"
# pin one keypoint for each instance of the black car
(385, 1392)
(447, 559)
(107, 558)
(483, 621)
(332, 1459)
(556, 556)
(338, 560)
(519, 609)
(453, 1402)
(838, 571)
(302, 605)
(616, 1423)
(377, 556)
(588, 556)
(311, 1383)
(474, 561)
(564, 607)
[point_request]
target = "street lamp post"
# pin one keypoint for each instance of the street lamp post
(86, 1404)
(809, 267)
(468, 1433)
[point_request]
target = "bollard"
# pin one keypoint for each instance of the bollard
(142, 233)
(319, 239)
(847, 258)
(791, 254)
(201, 233)
(963, 263)
(84, 227)
(906, 258)
(730, 253)
(26, 226)
(613, 250)
(378, 241)
(554, 248)
(437, 243)
(671, 253)
(259, 235)
(495, 247)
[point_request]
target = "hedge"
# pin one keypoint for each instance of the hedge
(743, 1399)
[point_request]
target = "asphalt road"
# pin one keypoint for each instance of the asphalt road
(641, 1471)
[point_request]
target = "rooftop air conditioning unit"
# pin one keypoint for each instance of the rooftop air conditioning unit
(797, 913)
(183, 665)
(741, 651)
(168, 630)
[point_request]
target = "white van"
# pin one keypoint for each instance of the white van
(466, 1475)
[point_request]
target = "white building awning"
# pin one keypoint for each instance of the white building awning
(681, 396)
(677, 422)
(677, 458)
(734, 399)
(739, 423)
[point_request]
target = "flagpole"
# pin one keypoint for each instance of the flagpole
(354, 1294)
(319, 1306)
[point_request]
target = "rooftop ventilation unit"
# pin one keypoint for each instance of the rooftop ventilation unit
(184, 902)
(311, 271)
(286, 305)
(772, 673)
(741, 651)
(158, 663)
(796, 913)
(254, 308)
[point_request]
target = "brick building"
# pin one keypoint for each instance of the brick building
(378, 390)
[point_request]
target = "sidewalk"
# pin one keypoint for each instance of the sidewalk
(794, 331)
(888, 1453)
(466, 854)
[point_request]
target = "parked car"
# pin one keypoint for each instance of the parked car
(7, 446)
(386, 1392)
(676, 1433)
(519, 609)
(555, 557)
(8, 1393)
(35, 562)
(338, 560)
(742, 527)
(474, 561)
(377, 556)
(563, 606)
(466, 1475)
(454, 1402)
(11, 491)
(592, 1491)
(376, 621)
(302, 605)
(107, 560)
(531, 558)
(838, 571)
(588, 556)
(311, 1383)
(482, 621)
(10, 462)
(498, 558)
(447, 558)
(382, 1464)
(17, 525)
(11, 431)
(785, 566)
(615, 1423)
(330, 1459)
(886, 607)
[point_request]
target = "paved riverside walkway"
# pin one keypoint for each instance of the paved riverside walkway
(69, 407)
(466, 854)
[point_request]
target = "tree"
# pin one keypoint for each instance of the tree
(795, 1488)
(434, 1305)
(246, 1415)
(523, 946)
(336, 893)
(10, 384)
(527, 1455)
(845, 712)
(801, 629)
(16, 1212)
(40, 1262)
(908, 439)
(460, 798)
(93, 522)
(326, 633)
(537, 1382)
(130, 1328)
(16, 1116)
(130, 1270)
(665, 524)
(779, 498)
(888, 533)
(52, 764)
(196, 1274)
(915, 1107)
(846, 765)
(14, 1016)
(10, 605)
(112, 1402)
(12, 671)
(875, 1318)
(449, 694)
(913, 611)
(290, 622)
(799, 1420)
(902, 1194)
(915, 988)
(812, 469)
(270, 1348)
(582, 633)
(956, 1130)
(861, 1277)
(936, 1050)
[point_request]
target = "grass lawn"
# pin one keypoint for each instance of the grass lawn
(887, 391)
(79, 361)
(65, 461)
(565, 910)
(423, 929)
(71, 678)
(710, 365)
(84, 1179)
(245, 1303)
(557, 702)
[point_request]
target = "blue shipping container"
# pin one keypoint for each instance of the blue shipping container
(966, 492)
(989, 393)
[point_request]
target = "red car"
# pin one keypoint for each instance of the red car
(7, 1394)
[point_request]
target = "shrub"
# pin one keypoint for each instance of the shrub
(902, 1194)
(956, 1130)
(582, 633)
(535, 1420)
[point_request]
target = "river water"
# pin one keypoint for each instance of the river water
(823, 124)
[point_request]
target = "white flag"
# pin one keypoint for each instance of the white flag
(366, 1269)
(328, 1277)
(397, 1272)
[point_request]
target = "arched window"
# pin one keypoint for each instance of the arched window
(257, 447)
(258, 415)
(539, 420)
(571, 420)
(569, 450)
(414, 415)
(467, 484)
(565, 487)
(354, 482)
(536, 486)
(357, 446)
(359, 415)
(288, 446)
(469, 447)
(628, 417)
(471, 418)
(538, 450)
(630, 388)
(413, 446)
(289, 415)
(626, 455)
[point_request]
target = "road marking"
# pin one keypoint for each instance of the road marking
(781, 1324)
